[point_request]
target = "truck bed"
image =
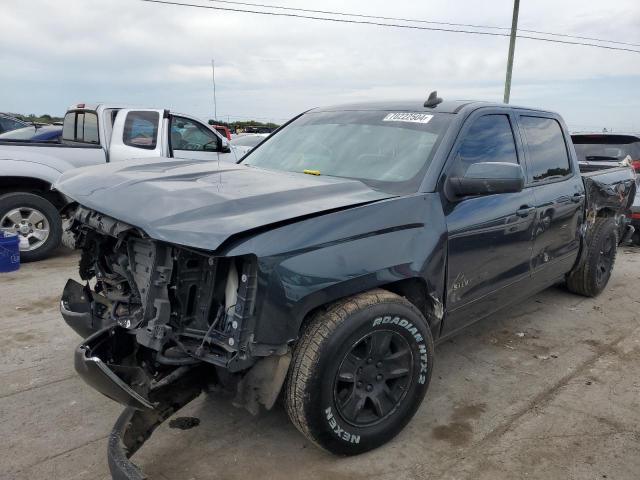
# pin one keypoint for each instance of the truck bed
(613, 188)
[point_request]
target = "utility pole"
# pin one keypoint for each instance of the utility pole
(215, 105)
(512, 47)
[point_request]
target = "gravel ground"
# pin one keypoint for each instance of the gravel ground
(548, 389)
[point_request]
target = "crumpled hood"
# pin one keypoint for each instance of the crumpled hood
(203, 203)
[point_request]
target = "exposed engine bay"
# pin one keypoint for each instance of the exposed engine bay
(149, 308)
(163, 322)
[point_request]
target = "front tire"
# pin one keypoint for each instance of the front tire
(35, 220)
(359, 372)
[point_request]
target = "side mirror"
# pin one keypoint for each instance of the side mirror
(224, 146)
(487, 178)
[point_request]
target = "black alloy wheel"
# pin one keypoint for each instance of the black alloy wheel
(606, 259)
(373, 377)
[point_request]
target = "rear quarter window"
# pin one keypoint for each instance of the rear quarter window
(141, 130)
(548, 156)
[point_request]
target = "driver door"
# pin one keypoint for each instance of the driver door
(490, 236)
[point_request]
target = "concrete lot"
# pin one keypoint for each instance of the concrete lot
(549, 389)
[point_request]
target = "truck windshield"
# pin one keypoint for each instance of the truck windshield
(389, 151)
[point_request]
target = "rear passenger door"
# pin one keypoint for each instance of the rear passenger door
(489, 245)
(559, 197)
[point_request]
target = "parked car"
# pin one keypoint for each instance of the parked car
(258, 129)
(327, 262)
(91, 134)
(222, 130)
(246, 143)
(8, 123)
(46, 133)
(606, 150)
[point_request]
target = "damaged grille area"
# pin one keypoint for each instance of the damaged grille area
(182, 305)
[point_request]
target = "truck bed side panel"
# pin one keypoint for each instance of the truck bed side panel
(612, 189)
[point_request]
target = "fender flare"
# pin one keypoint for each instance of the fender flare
(29, 169)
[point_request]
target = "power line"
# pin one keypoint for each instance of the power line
(430, 22)
(390, 25)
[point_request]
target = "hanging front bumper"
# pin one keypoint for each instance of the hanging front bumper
(101, 361)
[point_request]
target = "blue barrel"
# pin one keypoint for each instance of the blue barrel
(9, 252)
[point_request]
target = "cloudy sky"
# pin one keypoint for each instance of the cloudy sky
(53, 54)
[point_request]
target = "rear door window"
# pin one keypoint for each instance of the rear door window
(141, 129)
(490, 139)
(548, 156)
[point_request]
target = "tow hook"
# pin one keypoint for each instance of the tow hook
(134, 427)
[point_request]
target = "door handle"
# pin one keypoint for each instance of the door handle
(524, 211)
(577, 197)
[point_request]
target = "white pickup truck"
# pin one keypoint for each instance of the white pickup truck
(92, 134)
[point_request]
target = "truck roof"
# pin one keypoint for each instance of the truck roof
(119, 106)
(95, 106)
(447, 106)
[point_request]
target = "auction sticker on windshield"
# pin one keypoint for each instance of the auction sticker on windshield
(408, 117)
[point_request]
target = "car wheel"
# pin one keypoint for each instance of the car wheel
(593, 275)
(359, 372)
(35, 220)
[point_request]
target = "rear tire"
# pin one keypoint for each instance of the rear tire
(592, 276)
(359, 372)
(36, 214)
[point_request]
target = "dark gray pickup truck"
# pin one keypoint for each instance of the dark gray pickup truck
(325, 265)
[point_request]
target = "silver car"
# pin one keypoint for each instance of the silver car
(245, 143)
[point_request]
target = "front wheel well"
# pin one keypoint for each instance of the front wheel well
(35, 186)
(413, 289)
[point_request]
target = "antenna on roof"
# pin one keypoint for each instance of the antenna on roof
(433, 100)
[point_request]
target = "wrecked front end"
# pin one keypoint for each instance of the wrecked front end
(161, 321)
